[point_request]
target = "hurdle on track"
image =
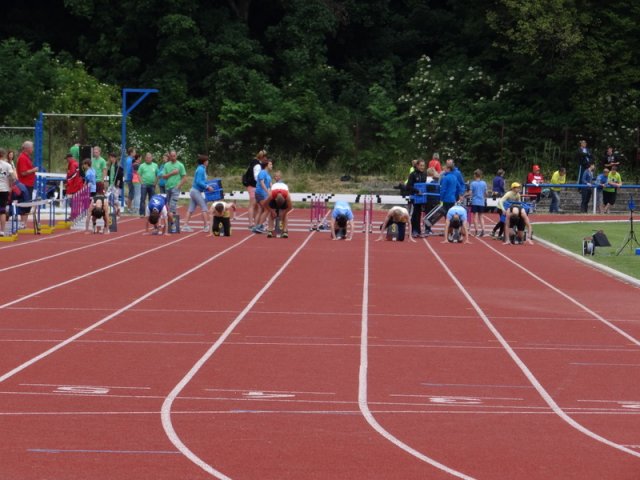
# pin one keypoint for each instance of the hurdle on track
(318, 212)
(367, 213)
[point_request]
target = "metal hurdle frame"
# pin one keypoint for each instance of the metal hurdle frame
(367, 213)
(318, 212)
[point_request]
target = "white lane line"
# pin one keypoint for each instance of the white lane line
(93, 272)
(595, 315)
(69, 251)
(523, 367)
(50, 237)
(110, 387)
(168, 403)
(363, 401)
(73, 338)
(588, 364)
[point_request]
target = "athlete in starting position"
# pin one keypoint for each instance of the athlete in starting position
(98, 215)
(222, 214)
(157, 215)
(400, 218)
(341, 221)
(455, 227)
(278, 204)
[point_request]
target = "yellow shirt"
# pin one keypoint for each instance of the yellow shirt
(558, 179)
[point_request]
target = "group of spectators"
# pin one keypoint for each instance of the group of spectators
(17, 181)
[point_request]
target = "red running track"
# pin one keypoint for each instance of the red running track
(195, 357)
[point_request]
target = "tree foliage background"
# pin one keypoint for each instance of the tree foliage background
(362, 84)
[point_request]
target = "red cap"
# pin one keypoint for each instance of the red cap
(536, 167)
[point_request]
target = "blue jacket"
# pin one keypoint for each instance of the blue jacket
(450, 189)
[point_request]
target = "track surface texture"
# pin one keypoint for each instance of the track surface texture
(131, 356)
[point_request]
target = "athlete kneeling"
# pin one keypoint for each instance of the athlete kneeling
(278, 205)
(98, 215)
(341, 221)
(222, 214)
(455, 227)
(396, 225)
(516, 222)
(157, 215)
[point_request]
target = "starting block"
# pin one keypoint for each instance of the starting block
(175, 226)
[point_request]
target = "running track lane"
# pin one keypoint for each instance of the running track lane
(102, 370)
(571, 452)
(123, 444)
(283, 393)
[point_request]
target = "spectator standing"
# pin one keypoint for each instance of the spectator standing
(417, 176)
(99, 165)
(601, 182)
(74, 179)
(196, 198)
(161, 180)
(585, 192)
(27, 172)
(462, 187)
(89, 177)
(263, 190)
(148, 172)
(478, 201)
(128, 176)
(497, 186)
(450, 189)
(610, 190)
(535, 178)
(559, 177)
(435, 163)
(135, 182)
(611, 158)
(250, 180)
(7, 179)
(584, 158)
(175, 175)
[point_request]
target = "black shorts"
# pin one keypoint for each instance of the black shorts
(4, 201)
(518, 225)
(609, 198)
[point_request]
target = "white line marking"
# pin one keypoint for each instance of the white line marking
(71, 339)
(530, 376)
(93, 272)
(266, 391)
(69, 251)
(586, 364)
(166, 406)
(87, 386)
(363, 401)
(633, 340)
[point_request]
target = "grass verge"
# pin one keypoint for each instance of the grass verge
(570, 236)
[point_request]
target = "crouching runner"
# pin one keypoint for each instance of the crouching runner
(98, 215)
(222, 214)
(157, 214)
(278, 205)
(341, 221)
(455, 227)
(516, 222)
(396, 224)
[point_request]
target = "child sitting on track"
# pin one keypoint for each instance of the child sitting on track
(222, 214)
(341, 221)
(98, 215)
(157, 214)
(278, 205)
(398, 219)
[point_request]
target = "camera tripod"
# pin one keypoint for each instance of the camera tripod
(631, 238)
